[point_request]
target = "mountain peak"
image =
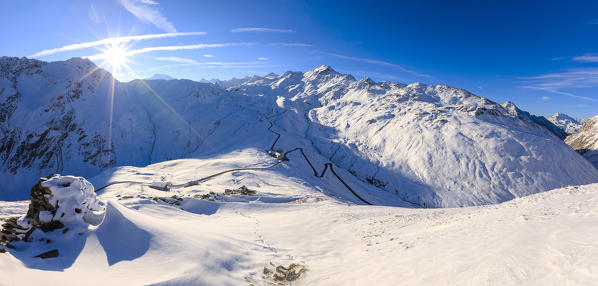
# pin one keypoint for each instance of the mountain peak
(566, 122)
(323, 69)
(160, 76)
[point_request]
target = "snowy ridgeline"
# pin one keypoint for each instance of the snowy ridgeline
(569, 124)
(431, 145)
(585, 141)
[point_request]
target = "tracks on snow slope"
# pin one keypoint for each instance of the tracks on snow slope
(281, 159)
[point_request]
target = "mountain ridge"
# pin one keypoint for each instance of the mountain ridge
(378, 132)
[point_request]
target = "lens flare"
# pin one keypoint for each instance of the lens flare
(115, 57)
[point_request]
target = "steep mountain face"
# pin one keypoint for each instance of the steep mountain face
(585, 141)
(569, 124)
(540, 120)
(431, 145)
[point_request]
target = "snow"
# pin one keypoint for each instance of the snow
(569, 124)
(75, 199)
(585, 140)
(198, 185)
(541, 239)
(420, 144)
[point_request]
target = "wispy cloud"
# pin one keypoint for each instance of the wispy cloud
(588, 58)
(559, 83)
(545, 98)
(263, 59)
(172, 48)
(146, 10)
(111, 41)
(186, 61)
(261, 30)
(189, 47)
(208, 56)
(377, 62)
(177, 60)
(93, 14)
(290, 44)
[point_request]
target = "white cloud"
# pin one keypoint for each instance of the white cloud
(172, 48)
(208, 56)
(110, 41)
(263, 59)
(377, 62)
(261, 30)
(145, 10)
(181, 47)
(186, 61)
(545, 98)
(558, 83)
(290, 44)
(586, 59)
(177, 60)
(183, 62)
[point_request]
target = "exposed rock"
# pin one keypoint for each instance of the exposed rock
(40, 203)
(49, 254)
(55, 203)
(12, 230)
(282, 275)
(243, 190)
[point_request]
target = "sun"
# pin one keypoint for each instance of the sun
(115, 57)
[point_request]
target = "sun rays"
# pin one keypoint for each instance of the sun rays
(115, 57)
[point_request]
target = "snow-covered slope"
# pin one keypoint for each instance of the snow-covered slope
(189, 236)
(585, 141)
(569, 124)
(430, 145)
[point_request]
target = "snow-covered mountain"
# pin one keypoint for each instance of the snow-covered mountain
(431, 145)
(569, 124)
(160, 76)
(540, 120)
(585, 141)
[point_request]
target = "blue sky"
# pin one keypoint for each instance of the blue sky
(542, 55)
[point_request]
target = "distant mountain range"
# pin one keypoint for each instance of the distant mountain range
(567, 123)
(433, 145)
(585, 140)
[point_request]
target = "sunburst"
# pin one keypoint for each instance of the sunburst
(115, 57)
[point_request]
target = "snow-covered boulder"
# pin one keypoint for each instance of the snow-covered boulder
(59, 202)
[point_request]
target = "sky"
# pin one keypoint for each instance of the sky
(541, 55)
